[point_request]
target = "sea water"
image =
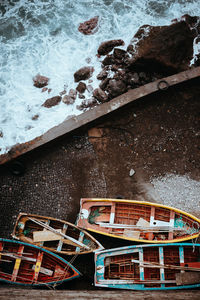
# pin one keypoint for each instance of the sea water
(42, 37)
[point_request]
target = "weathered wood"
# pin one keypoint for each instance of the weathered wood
(44, 271)
(46, 235)
(97, 112)
(59, 233)
(187, 278)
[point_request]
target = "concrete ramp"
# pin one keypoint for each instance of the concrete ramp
(99, 111)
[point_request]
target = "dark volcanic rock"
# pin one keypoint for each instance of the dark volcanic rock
(116, 87)
(100, 95)
(52, 101)
(81, 87)
(89, 103)
(89, 27)
(108, 60)
(108, 46)
(104, 83)
(70, 98)
(40, 81)
(83, 74)
(119, 53)
(103, 74)
(169, 47)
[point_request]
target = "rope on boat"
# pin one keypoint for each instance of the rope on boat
(59, 233)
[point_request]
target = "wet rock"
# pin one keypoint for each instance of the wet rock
(40, 81)
(35, 117)
(83, 74)
(81, 87)
(81, 96)
(130, 49)
(103, 74)
(52, 101)
(70, 98)
(108, 60)
(44, 89)
(100, 95)
(108, 46)
(73, 94)
(63, 93)
(168, 48)
(89, 103)
(133, 79)
(89, 88)
(116, 87)
(90, 26)
(119, 53)
(104, 83)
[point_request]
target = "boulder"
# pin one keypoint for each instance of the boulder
(100, 95)
(52, 101)
(119, 53)
(83, 74)
(116, 88)
(103, 74)
(168, 48)
(108, 46)
(81, 87)
(90, 26)
(70, 98)
(40, 81)
(104, 83)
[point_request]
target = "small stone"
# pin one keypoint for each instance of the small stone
(90, 26)
(35, 117)
(44, 89)
(132, 172)
(40, 81)
(52, 101)
(81, 87)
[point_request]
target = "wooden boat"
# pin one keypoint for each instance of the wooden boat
(137, 221)
(149, 267)
(27, 264)
(54, 235)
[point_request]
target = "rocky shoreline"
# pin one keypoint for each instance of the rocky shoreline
(153, 53)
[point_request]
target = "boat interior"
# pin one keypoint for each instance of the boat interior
(140, 221)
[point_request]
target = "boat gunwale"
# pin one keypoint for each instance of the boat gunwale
(139, 202)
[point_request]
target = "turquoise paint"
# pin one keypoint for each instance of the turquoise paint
(101, 255)
(44, 250)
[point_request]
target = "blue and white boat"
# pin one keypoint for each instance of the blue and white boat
(149, 267)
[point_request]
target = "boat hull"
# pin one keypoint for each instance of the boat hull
(42, 231)
(148, 267)
(137, 221)
(26, 264)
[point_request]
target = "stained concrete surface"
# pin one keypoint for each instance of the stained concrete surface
(156, 135)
